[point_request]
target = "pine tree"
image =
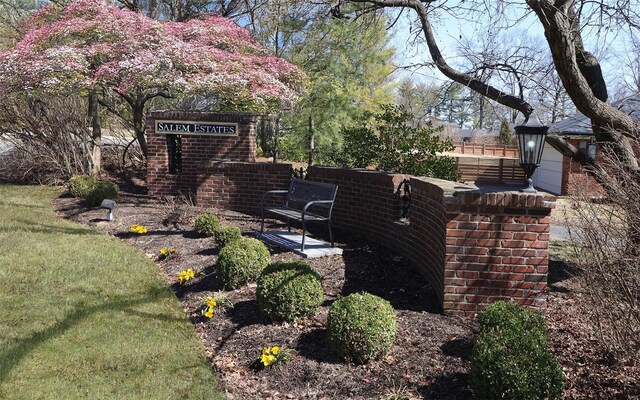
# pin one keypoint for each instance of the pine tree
(505, 135)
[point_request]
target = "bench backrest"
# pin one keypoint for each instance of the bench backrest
(302, 191)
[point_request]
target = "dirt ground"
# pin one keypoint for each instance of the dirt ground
(431, 355)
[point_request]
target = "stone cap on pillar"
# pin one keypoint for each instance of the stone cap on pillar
(487, 194)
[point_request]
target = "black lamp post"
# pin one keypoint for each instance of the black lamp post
(531, 137)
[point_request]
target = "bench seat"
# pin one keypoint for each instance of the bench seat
(295, 214)
(306, 201)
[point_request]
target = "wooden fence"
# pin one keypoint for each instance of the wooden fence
(479, 169)
(486, 150)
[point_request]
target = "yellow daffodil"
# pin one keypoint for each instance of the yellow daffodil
(209, 313)
(275, 350)
(210, 302)
(164, 252)
(139, 229)
(267, 359)
(186, 275)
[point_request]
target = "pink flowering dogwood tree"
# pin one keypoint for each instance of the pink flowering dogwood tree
(89, 44)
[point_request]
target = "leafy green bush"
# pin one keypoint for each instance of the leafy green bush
(510, 359)
(223, 235)
(393, 145)
(206, 224)
(507, 315)
(288, 290)
(361, 327)
(100, 191)
(241, 261)
(81, 185)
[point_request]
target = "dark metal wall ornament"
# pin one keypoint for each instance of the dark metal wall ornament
(403, 194)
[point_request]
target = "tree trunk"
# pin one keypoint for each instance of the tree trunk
(276, 138)
(578, 69)
(138, 127)
(312, 140)
(96, 133)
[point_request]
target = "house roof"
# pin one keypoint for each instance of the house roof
(579, 124)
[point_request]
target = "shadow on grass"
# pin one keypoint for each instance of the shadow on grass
(27, 225)
(21, 205)
(12, 356)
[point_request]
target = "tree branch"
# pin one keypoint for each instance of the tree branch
(562, 43)
(474, 84)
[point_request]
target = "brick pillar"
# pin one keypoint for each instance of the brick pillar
(197, 149)
(496, 249)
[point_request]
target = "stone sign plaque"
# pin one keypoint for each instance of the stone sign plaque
(196, 128)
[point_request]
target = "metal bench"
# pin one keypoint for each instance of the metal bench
(306, 201)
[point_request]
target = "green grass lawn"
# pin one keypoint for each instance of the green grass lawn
(83, 315)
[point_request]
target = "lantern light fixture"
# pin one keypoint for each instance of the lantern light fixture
(531, 137)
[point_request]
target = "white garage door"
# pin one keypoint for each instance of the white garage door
(548, 176)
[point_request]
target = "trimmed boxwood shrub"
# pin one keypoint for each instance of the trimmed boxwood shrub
(361, 327)
(242, 261)
(288, 290)
(507, 315)
(223, 235)
(510, 359)
(206, 224)
(100, 191)
(81, 185)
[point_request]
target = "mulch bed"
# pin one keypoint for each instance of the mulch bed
(430, 357)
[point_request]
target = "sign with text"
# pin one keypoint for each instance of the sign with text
(196, 128)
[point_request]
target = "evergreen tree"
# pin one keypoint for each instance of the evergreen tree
(505, 136)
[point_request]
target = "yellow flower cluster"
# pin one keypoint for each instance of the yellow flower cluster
(269, 355)
(166, 252)
(186, 275)
(139, 229)
(210, 304)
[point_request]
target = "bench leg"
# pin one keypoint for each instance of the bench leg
(304, 231)
(330, 234)
(288, 224)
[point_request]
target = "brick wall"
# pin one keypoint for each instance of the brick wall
(196, 149)
(239, 185)
(497, 249)
(472, 247)
(575, 179)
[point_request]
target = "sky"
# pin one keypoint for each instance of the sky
(449, 31)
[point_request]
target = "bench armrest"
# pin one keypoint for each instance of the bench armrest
(264, 196)
(311, 203)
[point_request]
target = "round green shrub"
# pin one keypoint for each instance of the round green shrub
(81, 185)
(361, 327)
(242, 261)
(511, 316)
(223, 235)
(510, 359)
(288, 290)
(206, 224)
(100, 191)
